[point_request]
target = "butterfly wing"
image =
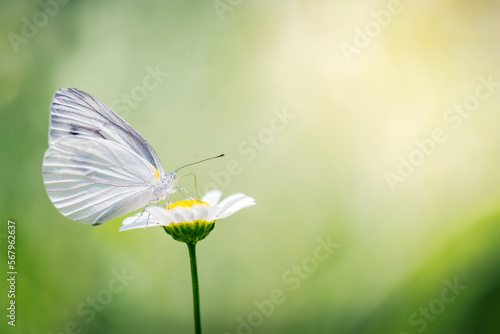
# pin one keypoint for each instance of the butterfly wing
(74, 113)
(93, 180)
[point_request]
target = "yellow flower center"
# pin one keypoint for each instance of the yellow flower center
(187, 203)
(191, 231)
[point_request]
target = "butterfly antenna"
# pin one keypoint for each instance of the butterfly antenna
(197, 162)
(147, 221)
(187, 161)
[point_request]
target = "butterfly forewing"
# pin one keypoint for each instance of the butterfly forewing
(75, 113)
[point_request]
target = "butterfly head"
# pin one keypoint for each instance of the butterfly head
(171, 180)
(166, 185)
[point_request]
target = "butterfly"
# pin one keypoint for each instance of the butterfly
(97, 167)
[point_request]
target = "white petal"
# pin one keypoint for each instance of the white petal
(244, 203)
(190, 216)
(232, 204)
(139, 221)
(202, 212)
(179, 216)
(230, 200)
(212, 197)
(140, 224)
(158, 212)
(212, 213)
(130, 220)
(139, 217)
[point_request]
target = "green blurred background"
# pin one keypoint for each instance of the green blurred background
(353, 116)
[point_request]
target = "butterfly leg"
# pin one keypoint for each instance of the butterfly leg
(181, 189)
(147, 221)
(143, 213)
(195, 182)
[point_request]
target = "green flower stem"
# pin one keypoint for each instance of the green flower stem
(196, 290)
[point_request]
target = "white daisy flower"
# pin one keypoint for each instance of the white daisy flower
(190, 220)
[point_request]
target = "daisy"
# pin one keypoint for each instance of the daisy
(190, 220)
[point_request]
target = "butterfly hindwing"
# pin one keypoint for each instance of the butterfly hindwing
(93, 180)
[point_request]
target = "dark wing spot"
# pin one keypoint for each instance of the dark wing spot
(73, 131)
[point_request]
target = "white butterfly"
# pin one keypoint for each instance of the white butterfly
(97, 167)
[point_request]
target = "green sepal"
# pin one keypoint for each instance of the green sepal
(190, 232)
